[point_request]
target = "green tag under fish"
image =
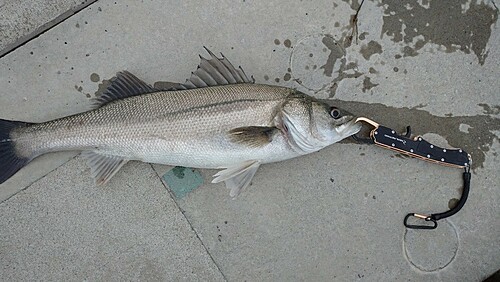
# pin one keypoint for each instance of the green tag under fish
(182, 180)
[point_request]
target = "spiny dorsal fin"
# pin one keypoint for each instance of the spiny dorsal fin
(253, 136)
(124, 85)
(215, 71)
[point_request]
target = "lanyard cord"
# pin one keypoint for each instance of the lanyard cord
(438, 216)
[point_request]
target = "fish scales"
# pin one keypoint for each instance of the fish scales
(152, 126)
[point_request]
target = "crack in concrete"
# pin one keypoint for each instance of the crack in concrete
(23, 40)
(190, 224)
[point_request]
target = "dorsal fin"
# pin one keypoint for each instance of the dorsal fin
(124, 85)
(215, 71)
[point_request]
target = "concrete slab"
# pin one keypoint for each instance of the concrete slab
(22, 20)
(338, 214)
(64, 228)
(318, 217)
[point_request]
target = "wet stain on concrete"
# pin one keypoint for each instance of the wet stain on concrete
(370, 49)
(287, 77)
(477, 142)
(363, 35)
(367, 84)
(353, 3)
(80, 89)
(94, 77)
(343, 73)
(336, 52)
(315, 71)
(490, 110)
(452, 203)
(445, 23)
(287, 43)
(409, 52)
(102, 87)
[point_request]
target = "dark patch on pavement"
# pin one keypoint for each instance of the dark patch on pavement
(287, 77)
(94, 77)
(353, 3)
(490, 110)
(102, 87)
(336, 52)
(452, 203)
(343, 74)
(182, 180)
(477, 142)
(440, 22)
(370, 49)
(287, 43)
(367, 84)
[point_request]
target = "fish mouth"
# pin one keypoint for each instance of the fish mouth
(351, 127)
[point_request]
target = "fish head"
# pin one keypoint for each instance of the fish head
(315, 124)
(333, 123)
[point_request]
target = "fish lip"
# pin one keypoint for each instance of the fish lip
(348, 128)
(352, 127)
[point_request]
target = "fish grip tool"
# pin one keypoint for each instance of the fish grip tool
(419, 148)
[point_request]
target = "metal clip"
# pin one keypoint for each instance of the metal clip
(421, 216)
(363, 139)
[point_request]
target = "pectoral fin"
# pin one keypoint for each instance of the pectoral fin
(253, 136)
(103, 167)
(237, 177)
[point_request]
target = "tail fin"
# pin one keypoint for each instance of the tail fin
(10, 162)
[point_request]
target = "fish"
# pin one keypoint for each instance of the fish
(219, 118)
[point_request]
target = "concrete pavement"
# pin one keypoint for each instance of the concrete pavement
(333, 215)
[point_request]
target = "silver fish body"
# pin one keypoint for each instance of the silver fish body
(185, 127)
(217, 119)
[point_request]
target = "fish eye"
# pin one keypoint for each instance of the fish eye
(335, 113)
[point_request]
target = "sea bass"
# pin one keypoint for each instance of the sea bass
(218, 119)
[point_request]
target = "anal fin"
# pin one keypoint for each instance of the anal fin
(237, 177)
(103, 167)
